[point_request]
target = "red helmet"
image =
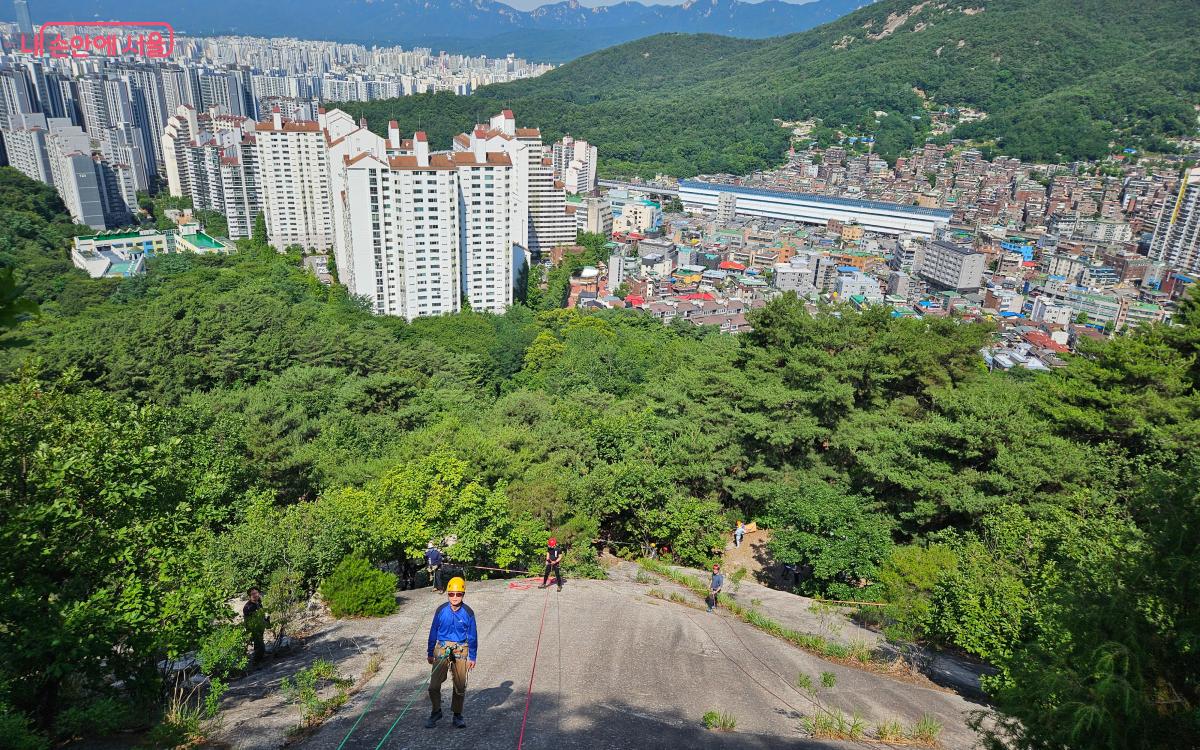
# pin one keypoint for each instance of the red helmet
(553, 542)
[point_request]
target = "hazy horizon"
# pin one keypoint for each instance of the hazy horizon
(531, 4)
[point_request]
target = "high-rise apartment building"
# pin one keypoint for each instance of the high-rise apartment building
(539, 220)
(149, 106)
(1177, 237)
(485, 190)
(575, 165)
(25, 146)
(15, 97)
(213, 159)
(96, 192)
(401, 246)
(294, 183)
(419, 232)
(222, 90)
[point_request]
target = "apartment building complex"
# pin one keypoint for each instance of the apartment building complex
(213, 159)
(1177, 237)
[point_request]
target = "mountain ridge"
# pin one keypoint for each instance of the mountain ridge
(1058, 81)
(555, 32)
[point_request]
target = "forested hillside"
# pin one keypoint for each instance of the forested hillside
(1058, 80)
(178, 437)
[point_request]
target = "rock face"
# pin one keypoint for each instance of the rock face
(616, 668)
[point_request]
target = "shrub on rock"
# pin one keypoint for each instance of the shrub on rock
(356, 588)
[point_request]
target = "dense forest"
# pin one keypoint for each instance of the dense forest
(1059, 81)
(168, 440)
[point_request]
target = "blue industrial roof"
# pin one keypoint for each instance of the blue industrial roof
(939, 213)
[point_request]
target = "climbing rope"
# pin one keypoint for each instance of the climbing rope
(379, 689)
(533, 671)
(414, 695)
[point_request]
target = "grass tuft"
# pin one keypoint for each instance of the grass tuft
(719, 721)
(927, 730)
(891, 731)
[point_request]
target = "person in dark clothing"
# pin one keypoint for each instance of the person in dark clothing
(408, 574)
(553, 558)
(255, 620)
(433, 563)
(714, 587)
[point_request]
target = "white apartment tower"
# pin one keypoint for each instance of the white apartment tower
(418, 232)
(575, 165)
(1177, 237)
(402, 240)
(538, 218)
(485, 189)
(294, 183)
(25, 144)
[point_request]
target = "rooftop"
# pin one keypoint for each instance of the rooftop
(202, 240)
(937, 213)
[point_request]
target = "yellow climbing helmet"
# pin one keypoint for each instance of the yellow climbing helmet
(456, 585)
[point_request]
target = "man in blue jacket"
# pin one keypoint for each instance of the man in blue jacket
(453, 641)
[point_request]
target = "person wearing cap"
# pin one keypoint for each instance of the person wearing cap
(714, 587)
(433, 564)
(738, 533)
(553, 558)
(453, 644)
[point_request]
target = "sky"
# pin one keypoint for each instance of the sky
(531, 4)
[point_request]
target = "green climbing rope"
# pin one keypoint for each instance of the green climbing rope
(412, 698)
(379, 689)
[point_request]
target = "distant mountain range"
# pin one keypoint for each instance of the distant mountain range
(556, 32)
(1058, 80)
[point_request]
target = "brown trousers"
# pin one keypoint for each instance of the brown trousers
(458, 666)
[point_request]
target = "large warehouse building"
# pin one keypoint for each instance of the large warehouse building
(874, 216)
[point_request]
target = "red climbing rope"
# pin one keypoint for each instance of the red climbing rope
(533, 671)
(524, 584)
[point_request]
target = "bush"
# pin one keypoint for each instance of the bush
(17, 732)
(98, 718)
(581, 562)
(223, 652)
(284, 599)
(356, 588)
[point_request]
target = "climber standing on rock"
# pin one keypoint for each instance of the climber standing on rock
(453, 643)
(553, 559)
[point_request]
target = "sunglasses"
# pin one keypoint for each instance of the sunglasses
(455, 593)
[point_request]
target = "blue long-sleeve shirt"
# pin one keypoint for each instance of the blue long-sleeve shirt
(457, 627)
